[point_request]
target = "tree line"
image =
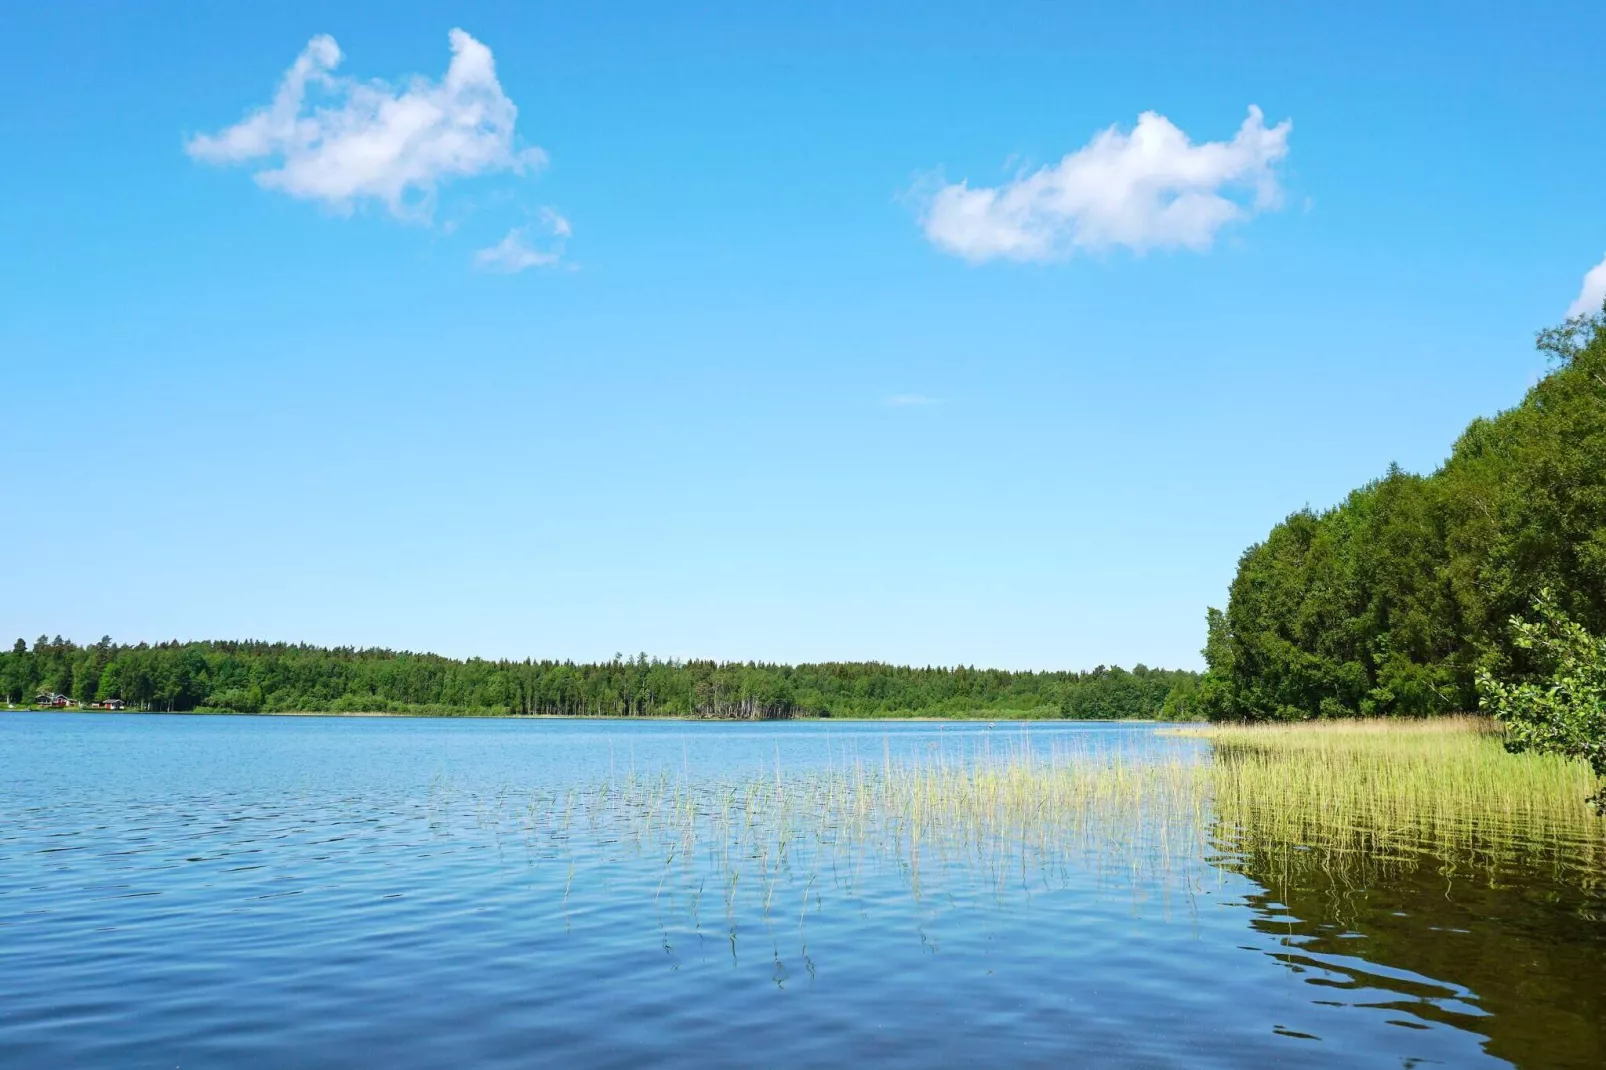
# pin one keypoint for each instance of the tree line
(258, 677)
(1409, 597)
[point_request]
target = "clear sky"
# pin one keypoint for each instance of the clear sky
(779, 331)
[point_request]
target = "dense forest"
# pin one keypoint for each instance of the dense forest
(1398, 600)
(252, 677)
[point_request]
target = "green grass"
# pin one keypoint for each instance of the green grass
(1351, 795)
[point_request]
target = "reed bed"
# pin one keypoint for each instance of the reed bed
(1355, 797)
(1016, 819)
(1342, 805)
(948, 827)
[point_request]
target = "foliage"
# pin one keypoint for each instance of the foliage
(1389, 603)
(1563, 709)
(252, 677)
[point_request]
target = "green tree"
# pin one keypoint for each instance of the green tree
(1562, 709)
(1389, 602)
(16, 673)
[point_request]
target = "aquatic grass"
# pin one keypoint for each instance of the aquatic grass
(1348, 797)
(1337, 804)
(1352, 796)
(997, 820)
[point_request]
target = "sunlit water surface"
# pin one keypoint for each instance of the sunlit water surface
(242, 892)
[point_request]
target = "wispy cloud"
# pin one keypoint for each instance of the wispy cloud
(1151, 188)
(1593, 292)
(557, 225)
(371, 141)
(515, 252)
(902, 400)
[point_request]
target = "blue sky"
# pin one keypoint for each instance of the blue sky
(791, 332)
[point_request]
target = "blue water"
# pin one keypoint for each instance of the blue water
(330, 892)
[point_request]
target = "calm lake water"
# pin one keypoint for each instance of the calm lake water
(332, 892)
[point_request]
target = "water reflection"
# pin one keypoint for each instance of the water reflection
(1493, 928)
(1437, 880)
(1515, 953)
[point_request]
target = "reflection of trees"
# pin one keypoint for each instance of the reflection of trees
(1509, 944)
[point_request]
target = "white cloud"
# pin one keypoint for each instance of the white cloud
(556, 224)
(369, 140)
(515, 253)
(1592, 294)
(1152, 188)
(901, 400)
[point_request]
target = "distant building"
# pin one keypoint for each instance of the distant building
(53, 700)
(113, 704)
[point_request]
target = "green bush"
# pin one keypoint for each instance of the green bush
(1562, 709)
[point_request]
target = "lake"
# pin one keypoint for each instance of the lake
(330, 892)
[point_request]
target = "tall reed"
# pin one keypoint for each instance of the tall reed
(1348, 801)
(1353, 796)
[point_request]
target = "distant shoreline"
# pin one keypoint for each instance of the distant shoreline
(249, 676)
(596, 717)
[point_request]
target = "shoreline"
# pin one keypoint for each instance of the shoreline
(928, 718)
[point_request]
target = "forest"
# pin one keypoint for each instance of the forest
(256, 677)
(1413, 595)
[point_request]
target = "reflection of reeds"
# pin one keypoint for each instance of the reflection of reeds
(1352, 797)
